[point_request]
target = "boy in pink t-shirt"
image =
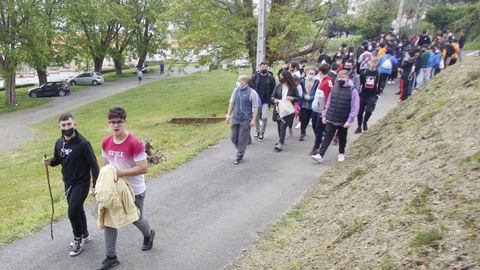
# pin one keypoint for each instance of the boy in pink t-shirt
(125, 152)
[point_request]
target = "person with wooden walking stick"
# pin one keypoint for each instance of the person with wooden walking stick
(79, 165)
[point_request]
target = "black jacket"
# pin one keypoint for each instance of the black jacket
(263, 93)
(277, 93)
(77, 159)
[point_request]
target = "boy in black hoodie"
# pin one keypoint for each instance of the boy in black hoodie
(79, 165)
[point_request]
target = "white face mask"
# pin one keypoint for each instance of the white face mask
(238, 84)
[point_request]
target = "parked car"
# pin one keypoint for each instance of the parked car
(240, 63)
(87, 78)
(50, 89)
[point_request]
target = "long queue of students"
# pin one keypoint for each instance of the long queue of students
(338, 90)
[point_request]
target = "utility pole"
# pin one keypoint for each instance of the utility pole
(262, 30)
(399, 17)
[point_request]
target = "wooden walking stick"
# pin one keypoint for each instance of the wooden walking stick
(51, 199)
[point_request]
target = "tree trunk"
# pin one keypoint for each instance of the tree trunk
(250, 34)
(42, 76)
(141, 60)
(10, 94)
(118, 66)
(98, 62)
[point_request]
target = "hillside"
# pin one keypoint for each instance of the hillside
(407, 197)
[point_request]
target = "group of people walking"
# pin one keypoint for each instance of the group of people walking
(338, 90)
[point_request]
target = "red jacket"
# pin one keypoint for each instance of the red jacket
(326, 86)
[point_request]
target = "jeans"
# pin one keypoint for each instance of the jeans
(330, 131)
(76, 214)
(141, 224)
(240, 136)
(318, 129)
(282, 125)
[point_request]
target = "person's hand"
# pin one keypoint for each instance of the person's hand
(92, 192)
(227, 119)
(346, 125)
(46, 161)
(379, 95)
(252, 123)
(307, 97)
(276, 101)
(324, 120)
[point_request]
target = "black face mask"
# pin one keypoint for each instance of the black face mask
(68, 132)
(341, 83)
(263, 71)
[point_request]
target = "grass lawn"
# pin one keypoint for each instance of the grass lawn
(24, 200)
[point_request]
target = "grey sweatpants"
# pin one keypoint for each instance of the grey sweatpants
(141, 223)
(240, 136)
(263, 115)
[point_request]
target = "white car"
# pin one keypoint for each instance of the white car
(87, 78)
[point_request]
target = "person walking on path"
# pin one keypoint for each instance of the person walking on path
(306, 100)
(321, 95)
(263, 82)
(283, 97)
(323, 57)
(385, 67)
(79, 165)
(426, 67)
(126, 153)
(339, 114)
(162, 67)
(244, 104)
(139, 76)
(369, 94)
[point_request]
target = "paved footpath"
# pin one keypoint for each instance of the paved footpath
(14, 126)
(205, 212)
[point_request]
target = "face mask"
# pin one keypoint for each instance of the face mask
(282, 80)
(341, 83)
(68, 132)
(264, 71)
(310, 77)
(238, 84)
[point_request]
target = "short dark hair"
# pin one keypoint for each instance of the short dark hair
(324, 68)
(263, 63)
(294, 64)
(334, 66)
(65, 117)
(117, 112)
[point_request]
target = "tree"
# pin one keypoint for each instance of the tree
(219, 30)
(375, 17)
(149, 28)
(90, 25)
(14, 17)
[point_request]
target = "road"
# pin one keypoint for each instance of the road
(205, 212)
(14, 127)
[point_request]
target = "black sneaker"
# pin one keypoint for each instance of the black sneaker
(358, 130)
(260, 137)
(86, 239)
(365, 127)
(77, 246)
(302, 138)
(108, 263)
(148, 241)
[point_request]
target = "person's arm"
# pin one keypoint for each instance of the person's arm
(141, 167)
(354, 106)
(56, 160)
(92, 162)
(296, 95)
(230, 106)
(324, 113)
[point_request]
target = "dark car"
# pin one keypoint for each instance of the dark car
(50, 89)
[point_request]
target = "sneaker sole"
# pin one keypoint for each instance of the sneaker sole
(316, 160)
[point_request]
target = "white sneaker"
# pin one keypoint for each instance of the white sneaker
(77, 247)
(298, 125)
(317, 158)
(341, 157)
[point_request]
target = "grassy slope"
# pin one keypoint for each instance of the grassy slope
(406, 198)
(24, 200)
